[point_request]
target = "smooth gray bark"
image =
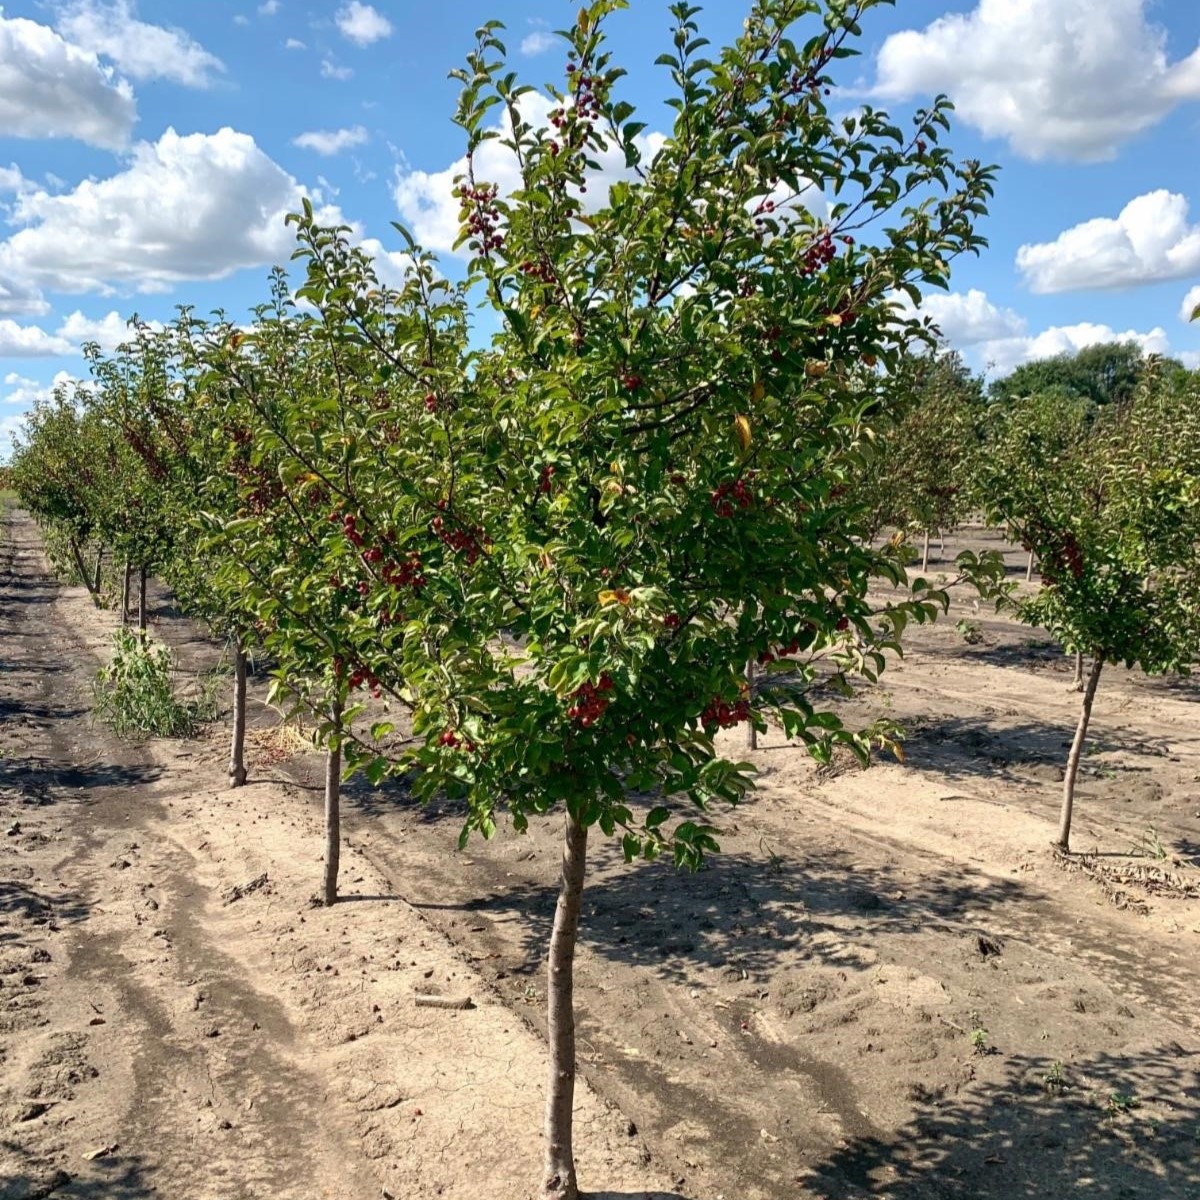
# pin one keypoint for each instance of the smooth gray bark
(559, 1181)
(142, 614)
(126, 588)
(1063, 841)
(751, 732)
(237, 749)
(333, 814)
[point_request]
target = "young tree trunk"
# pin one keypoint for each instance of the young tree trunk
(99, 566)
(142, 601)
(1029, 569)
(751, 732)
(237, 750)
(925, 553)
(333, 815)
(85, 576)
(1063, 841)
(1077, 682)
(559, 1182)
(126, 588)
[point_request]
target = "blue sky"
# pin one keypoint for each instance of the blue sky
(149, 151)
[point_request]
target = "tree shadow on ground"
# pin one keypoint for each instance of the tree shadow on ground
(36, 713)
(35, 780)
(1116, 1127)
(744, 914)
(118, 1177)
(1026, 655)
(39, 907)
(960, 747)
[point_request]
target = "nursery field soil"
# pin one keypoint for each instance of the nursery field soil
(178, 1021)
(885, 986)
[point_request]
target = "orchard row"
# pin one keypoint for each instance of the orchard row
(525, 558)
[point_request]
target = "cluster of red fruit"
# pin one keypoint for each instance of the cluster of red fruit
(576, 123)
(726, 498)
(764, 206)
(631, 382)
(349, 527)
(546, 480)
(820, 254)
(807, 81)
(725, 715)
(431, 403)
(479, 210)
(452, 740)
(543, 272)
(458, 539)
(768, 656)
(363, 675)
(590, 700)
(407, 573)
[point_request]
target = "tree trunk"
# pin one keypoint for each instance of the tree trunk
(126, 588)
(142, 601)
(1077, 682)
(751, 732)
(333, 815)
(1063, 841)
(237, 751)
(925, 553)
(99, 566)
(559, 1182)
(85, 576)
(1029, 569)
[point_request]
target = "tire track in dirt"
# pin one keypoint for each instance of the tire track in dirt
(193, 1103)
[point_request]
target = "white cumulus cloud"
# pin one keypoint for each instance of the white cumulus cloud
(1148, 241)
(331, 141)
(330, 70)
(1190, 303)
(426, 199)
(362, 24)
(109, 331)
(140, 50)
(199, 206)
(537, 42)
(294, 44)
(1004, 354)
(969, 318)
(51, 88)
(29, 341)
(1069, 79)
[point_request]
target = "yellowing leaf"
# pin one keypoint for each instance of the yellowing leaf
(741, 426)
(758, 391)
(815, 368)
(834, 319)
(613, 596)
(583, 19)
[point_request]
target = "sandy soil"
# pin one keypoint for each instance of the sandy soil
(886, 986)
(176, 1019)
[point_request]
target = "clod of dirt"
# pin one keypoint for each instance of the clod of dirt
(257, 884)
(423, 1000)
(989, 946)
(102, 1151)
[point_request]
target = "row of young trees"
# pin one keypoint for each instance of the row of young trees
(528, 567)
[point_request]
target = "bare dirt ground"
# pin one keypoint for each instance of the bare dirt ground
(886, 986)
(177, 1021)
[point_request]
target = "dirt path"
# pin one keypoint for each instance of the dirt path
(163, 1035)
